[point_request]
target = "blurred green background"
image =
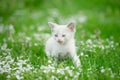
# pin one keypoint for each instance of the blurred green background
(103, 15)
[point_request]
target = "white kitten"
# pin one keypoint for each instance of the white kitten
(62, 43)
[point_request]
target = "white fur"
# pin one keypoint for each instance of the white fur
(67, 46)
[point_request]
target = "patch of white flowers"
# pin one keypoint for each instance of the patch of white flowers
(102, 69)
(16, 67)
(67, 72)
(11, 66)
(92, 44)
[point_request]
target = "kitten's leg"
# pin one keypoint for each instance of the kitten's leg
(47, 53)
(50, 55)
(75, 58)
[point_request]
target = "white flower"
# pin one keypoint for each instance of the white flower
(102, 47)
(45, 36)
(11, 61)
(11, 28)
(102, 70)
(49, 61)
(86, 55)
(72, 67)
(78, 73)
(53, 77)
(89, 69)
(66, 78)
(62, 72)
(82, 54)
(94, 45)
(19, 77)
(112, 46)
(37, 36)
(58, 71)
(89, 41)
(75, 77)
(17, 72)
(35, 44)
(28, 67)
(51, 67)
(53, 70)
(41, 28)
(8, 57)
(109, 69)
(67, 68)
(71, 19)
(82, 18)
(82, 43)
(4, 46)
(80, 69)
(39, 78)
(70, 72)
(44, 67)
(27, 39)
(6, 68)
(54, 12)
(45, 71)
(8, 76)
(20, 62)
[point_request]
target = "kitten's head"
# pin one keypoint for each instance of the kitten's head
(62, 33)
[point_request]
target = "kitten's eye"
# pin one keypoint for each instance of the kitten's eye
(56, 35)
(63, 35)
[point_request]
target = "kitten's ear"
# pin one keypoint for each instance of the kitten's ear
(52, 25)
(71, 26)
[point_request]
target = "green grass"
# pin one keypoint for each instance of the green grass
(97, 37)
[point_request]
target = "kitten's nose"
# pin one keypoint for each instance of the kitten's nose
(60, 41)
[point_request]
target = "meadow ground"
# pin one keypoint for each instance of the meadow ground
(24, 30)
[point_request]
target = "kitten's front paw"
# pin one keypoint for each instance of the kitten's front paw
(78, 64)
